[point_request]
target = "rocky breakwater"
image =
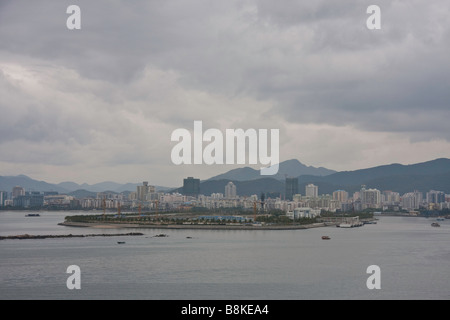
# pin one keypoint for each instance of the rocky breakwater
(28, 236)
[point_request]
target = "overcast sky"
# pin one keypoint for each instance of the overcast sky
(100, 103)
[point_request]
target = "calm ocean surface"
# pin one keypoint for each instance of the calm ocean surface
(414, 259)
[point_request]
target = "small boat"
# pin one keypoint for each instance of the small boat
(434, 224)
(326, 238)
(440, 219)
(33, 215)
(120, 242)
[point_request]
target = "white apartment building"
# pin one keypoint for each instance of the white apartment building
(312, 191)
(230, 190)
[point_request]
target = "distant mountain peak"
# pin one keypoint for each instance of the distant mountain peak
(288, 168)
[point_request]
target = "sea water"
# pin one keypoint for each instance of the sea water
(413, 258)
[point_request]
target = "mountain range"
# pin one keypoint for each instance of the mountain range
(423, 177)
(430, 175)
(426, 176)
(8, 182)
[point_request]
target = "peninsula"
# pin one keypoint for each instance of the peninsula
(194, 221)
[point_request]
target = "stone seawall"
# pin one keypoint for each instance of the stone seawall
(46, 236)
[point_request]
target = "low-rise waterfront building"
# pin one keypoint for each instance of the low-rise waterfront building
(298, 213)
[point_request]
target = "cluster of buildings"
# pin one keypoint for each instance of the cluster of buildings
(293, 202)
(393, 201)
(20, 198)
(365, 198)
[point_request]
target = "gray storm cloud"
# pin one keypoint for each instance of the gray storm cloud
(144, 68)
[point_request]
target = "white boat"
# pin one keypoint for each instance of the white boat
(345, 225)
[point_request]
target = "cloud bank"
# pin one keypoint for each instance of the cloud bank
(100, 103)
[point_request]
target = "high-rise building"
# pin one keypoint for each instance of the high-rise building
(230, 190)
(143, 192)
(312, 191)
(412, 200)
(18, 191)
(3, 197)
(390, 198)
(435, 197)
(370, 198)
(191, 187)
(340, 195)
(291, 187)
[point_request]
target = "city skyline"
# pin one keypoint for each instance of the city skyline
(100, 103)
(147, 197)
